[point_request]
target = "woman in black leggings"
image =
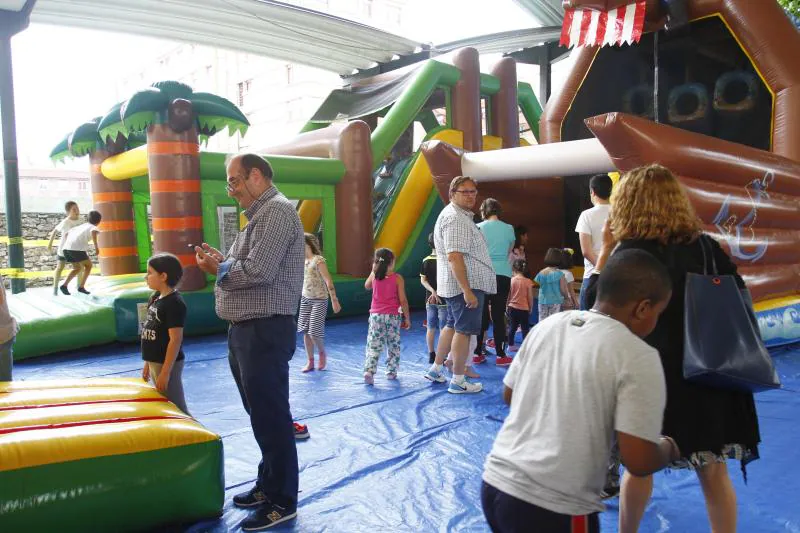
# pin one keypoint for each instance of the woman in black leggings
(500, 238)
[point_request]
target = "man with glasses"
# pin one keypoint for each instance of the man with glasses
(258, 291)
(465, 276)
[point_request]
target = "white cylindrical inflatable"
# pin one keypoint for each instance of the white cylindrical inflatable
(569, 158)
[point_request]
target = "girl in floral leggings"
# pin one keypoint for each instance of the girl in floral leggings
(388, 313)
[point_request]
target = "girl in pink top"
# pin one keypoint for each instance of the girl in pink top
(388, 313)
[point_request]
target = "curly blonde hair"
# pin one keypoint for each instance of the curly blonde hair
(649, 203)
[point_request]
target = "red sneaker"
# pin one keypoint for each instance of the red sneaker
(478, 359)
(503, 361)
(301, 431)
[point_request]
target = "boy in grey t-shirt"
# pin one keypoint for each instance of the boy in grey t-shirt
(579, 378)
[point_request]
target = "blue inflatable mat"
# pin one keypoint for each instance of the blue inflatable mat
(407, 456)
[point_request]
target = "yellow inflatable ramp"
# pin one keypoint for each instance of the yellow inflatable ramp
(102, 455)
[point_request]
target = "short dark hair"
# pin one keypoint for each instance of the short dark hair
(519, 231)
(553, 258)
(431, 241)
(167, 264)
(251, 161)
(313, 243)
(491, 207)
(519, 265)
(458, 181)
(566, 259)
(601, 185)
(69, 205)
(94, 217)
(633, 276)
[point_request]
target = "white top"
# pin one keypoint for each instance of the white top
(568, 275)
(591, 223)
(577, 378)
(63, 227)
(77, 239)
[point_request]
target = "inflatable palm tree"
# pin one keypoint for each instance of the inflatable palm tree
(175, 118)
(117, 240)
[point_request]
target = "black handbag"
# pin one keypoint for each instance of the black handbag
(722, 345)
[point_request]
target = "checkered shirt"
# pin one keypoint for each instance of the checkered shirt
(262, 275)
(456, 232)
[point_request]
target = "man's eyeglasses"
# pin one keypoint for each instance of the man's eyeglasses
(233, 183)
(468, 192)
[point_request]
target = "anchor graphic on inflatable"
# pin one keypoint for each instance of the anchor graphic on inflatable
(736, 230)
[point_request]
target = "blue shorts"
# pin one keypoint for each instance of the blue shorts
(463, 319)
(436, 316)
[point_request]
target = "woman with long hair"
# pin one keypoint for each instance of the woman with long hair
(651, 211)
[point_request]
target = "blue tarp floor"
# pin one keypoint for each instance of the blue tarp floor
(407, 456)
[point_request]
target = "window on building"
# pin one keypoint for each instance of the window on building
(244, 90)
(83, 185)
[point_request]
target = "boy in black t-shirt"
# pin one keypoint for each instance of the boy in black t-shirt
(162, 331)
(435, 307)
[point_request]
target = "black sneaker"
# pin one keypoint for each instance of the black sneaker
(84, 291)
(64, 290)
(267, 517)
(610, 491)
(251, 498)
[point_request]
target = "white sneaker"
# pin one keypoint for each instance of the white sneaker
(465, 387)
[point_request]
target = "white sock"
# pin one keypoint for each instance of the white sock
(436, 368)
(458, 378)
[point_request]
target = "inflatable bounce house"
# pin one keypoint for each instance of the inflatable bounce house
(159, 192)
(712, 98)
(716, 99)
(117, 445)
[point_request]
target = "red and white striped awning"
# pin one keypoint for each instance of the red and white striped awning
(585, 27)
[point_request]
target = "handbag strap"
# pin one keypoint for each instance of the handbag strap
(703, 243)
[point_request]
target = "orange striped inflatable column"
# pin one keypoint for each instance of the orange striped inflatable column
(174, 168)
(117, 239)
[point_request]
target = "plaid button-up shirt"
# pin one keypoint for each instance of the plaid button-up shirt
(262, 275)
(456, 232)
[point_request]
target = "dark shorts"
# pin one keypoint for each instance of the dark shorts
(436, 315)
(463, 319)
(75, 256)
(61, 258)
(507, 514)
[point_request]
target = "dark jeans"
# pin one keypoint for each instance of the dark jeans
(517, 318)
(582, 297)
(259, 352)
(507, 514)
(497, 302)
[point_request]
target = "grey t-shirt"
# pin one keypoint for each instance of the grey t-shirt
(577, 378)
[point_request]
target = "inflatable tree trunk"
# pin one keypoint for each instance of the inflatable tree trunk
(117, 238)
(174, 117)
(174, 169)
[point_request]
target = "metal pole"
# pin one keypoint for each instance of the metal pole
(16, 258)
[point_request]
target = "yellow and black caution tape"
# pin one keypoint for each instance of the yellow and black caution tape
(25, 243)
(20, 273)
